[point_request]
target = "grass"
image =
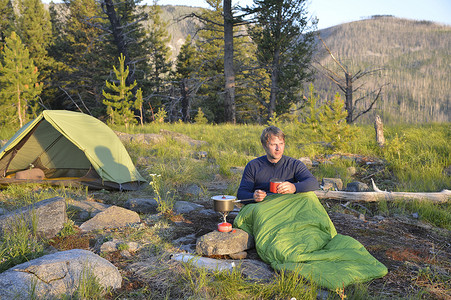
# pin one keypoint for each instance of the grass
(415, 158)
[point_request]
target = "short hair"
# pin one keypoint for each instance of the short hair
(271, 131)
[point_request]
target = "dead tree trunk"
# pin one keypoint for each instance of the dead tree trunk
(229, 73)
(379, 127)
(440, 197)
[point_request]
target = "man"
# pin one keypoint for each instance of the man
(258, 172)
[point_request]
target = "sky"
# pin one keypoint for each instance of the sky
(335, 12)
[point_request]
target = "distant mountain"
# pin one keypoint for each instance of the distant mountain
(415, 55)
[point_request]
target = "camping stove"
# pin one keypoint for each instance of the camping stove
(224, 204)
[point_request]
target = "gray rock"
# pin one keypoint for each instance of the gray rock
(84, 210)
(142, 138)
(256, 270)
(112, 217)
(49, 216)
(224, 243)
(109, 246)
(182, 138)
(332, 184)
(115, 245)
(191, 238)
(185, 207)
(193, 190)
(357, 186)
(142, 205)
(57, 274)
(307, 162)
(147, 138)
(207, 212)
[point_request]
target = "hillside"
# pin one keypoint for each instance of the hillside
(415, 55)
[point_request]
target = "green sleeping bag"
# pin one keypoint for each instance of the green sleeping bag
(294, 232)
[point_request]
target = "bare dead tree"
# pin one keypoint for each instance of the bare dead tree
(229, 73)
(346, 83)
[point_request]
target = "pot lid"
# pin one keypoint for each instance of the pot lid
(223, 197)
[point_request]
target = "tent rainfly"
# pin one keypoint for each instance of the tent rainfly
(67, 146)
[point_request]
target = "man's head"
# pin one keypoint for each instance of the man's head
(273, 141)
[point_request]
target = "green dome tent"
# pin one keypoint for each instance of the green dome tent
(69, 147)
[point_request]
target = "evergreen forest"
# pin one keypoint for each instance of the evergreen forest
(128, 63)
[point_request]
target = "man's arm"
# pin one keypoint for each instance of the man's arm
(306, 182)
(246, 189)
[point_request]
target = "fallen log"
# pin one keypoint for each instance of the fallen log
(439, 197)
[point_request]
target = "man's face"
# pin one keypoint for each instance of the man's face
(274, 148)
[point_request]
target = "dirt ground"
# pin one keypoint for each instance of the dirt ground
(417, 255)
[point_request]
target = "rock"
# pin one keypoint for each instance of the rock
(84, 210)
(357, 186)
(142, 138)
(147, 138)
(185, 207)
(109, 246)
(115, 245)
(142, 205)
(189, 239)
(184, 139)
(239, 255)
(112, 217)
(307, 162)
(224, 243)
(256, 270)
(49, 216)
(57, 274)
(193, 190)
(207, 212)
(333, 184)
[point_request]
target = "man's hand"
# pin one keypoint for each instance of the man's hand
(259, 195)
(286, 188)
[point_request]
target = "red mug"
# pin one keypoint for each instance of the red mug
(273, 183)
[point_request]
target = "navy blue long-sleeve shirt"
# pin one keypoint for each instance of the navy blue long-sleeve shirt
(259, 171)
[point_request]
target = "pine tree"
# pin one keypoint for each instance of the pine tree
(159, 53)
(285, 41)
(6, 19)
(120, 101)
(84, 58)
(35, 30)
(18, 81)
(185, 66)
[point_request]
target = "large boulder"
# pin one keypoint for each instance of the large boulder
(224, 243)
(57, 274)
(112, 217)
(47, 217)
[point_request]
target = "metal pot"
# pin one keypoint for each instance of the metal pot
(224, 203)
